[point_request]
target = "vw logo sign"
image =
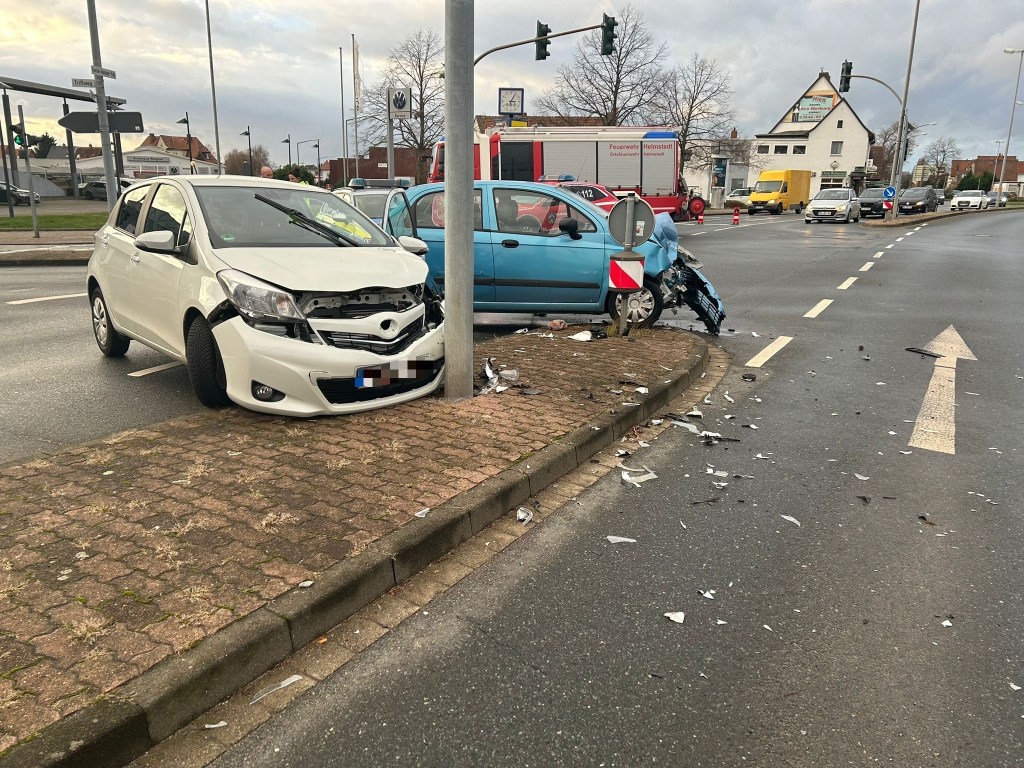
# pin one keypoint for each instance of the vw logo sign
(399, 100)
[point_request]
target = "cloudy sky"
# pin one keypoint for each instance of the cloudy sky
(277, 63)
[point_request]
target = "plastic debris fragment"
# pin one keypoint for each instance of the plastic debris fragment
(759, 456)
(791, 519)
(710, 470)
(657, 422)
(582, 336)
(947, 623)
(635, 477)
(523, 330)
(276, 687)
(524, 515)
(906, 453)
(695, 414)
(767, 627)
(509, 374)
(751, 426)
(620, 540)
(729, 399)
(306, 584)
(642, 390)
(749, 377)
(211, 726)
(707, 594)
(860, 477)
(707, 399)
(423, 512)
(728, 416)
(720, 622)
(720, 486)
(687, 425)
(1014, 687)
(557, 325)
(677, 616)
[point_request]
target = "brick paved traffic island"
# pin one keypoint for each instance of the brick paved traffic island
(145, 577)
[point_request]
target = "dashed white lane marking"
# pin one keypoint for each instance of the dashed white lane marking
(879, 255)
(899, 239)
(818, 308)
(867, 265)
(765, 354)
(49, 298)
(154, 369)
(908, 234)
(847, 283)
(890, 245)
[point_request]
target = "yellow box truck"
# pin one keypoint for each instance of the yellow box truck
(778, 191)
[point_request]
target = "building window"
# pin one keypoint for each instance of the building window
(837, 148)
(839, 124)
(799, 149)
(781, 149)
(762, 149)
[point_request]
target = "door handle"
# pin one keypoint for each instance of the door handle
(135, 258)
(104, 239)
(510, 243)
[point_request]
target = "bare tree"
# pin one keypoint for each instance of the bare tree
(619, 89)
(236, 160)
(417, 62)
(695, 100)
(887, 138)
(939, 155)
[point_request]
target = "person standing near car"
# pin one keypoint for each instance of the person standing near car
(267, 172)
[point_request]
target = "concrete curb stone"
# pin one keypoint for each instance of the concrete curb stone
(122, 725)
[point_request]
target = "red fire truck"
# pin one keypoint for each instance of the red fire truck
(644, 160)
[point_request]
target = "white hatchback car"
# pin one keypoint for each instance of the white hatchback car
(277, 296)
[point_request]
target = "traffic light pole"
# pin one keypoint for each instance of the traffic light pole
(28, 174)
(897, 165)
(101, 106)
(534, 40)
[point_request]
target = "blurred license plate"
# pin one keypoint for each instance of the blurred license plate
(392, 373)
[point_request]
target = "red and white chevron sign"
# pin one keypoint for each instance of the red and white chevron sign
(625, 275)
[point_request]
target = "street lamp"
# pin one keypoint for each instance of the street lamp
(319, 177)
(298, 146)
(1013, 108)
(188, 138)
(288, 141)
(353, 120)
(252, 171)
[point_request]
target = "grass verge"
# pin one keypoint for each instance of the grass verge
(85, 221)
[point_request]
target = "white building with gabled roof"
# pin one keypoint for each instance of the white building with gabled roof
(820, 133)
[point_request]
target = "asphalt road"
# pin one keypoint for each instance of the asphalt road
(824, 643)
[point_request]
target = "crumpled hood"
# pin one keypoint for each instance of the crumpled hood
(328, 269)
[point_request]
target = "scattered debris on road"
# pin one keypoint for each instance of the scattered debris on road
(276, 687)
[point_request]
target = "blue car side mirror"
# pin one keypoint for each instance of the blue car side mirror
(571, 227)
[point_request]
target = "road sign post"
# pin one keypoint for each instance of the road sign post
(631, 221)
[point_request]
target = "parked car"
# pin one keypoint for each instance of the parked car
(277, 296)
(919, 200)
(969, 199)
(738, 197)
(540, 248)
(836, 204)
(997, 200)
(871, 202)
(597, 194)
(18, 196)
(97, 190)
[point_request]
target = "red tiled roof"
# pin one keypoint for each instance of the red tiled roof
(483, 122)
(179, 144)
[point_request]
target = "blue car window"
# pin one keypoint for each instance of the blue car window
(527, 212)
(428, 211)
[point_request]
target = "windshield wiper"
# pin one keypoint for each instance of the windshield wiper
(300, 219)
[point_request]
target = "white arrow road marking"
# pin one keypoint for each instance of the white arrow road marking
(935, 427)
(867, 265)
(49, 298)
(818, 308)
(847, 283)
(154, 369)
(765, 354)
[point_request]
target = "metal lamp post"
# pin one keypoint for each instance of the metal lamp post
(355, 142)
(288, 141)
(298, 146)
(316, 146)
(249, 137)
(188, 138)
(1013, 109)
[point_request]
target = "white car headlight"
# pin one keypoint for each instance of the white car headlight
(256, 299)
(840, 208)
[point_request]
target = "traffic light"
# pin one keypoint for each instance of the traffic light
(608, 35)
(20, 137)
(844, 78)
(543, 30)
(906, 147)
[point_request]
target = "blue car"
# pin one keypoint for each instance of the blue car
(539, 248)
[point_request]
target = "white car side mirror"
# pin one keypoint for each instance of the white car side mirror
(157, 242)
(413, 245)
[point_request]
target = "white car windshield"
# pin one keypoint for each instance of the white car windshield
(833, 194)
(236, 218)
(972, 193)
